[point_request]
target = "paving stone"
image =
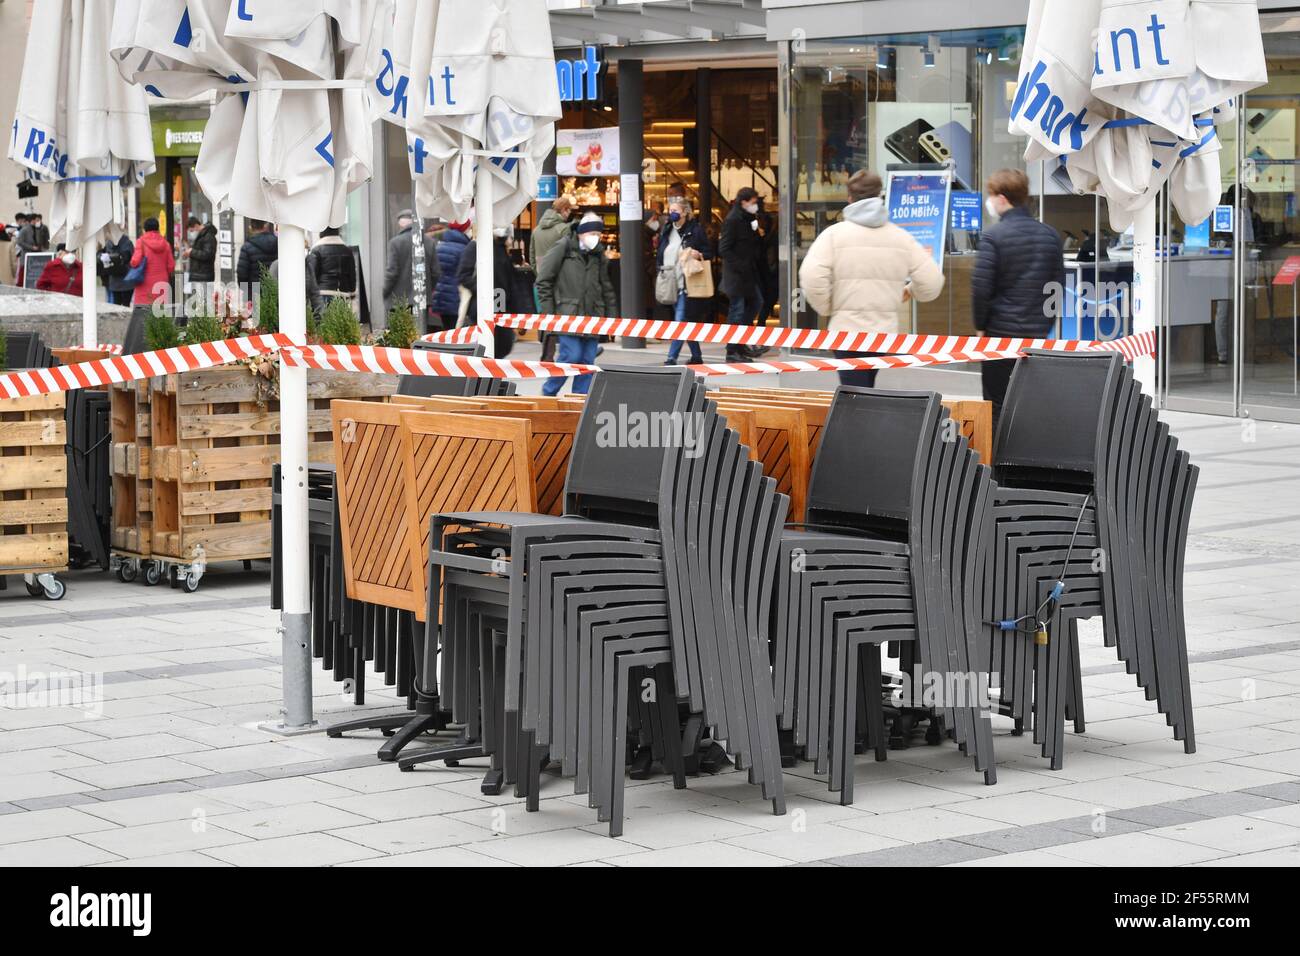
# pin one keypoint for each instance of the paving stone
(934, 853)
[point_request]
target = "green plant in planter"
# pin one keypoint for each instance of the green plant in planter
(160, 332)
(339, 324)
(204, 328)
(401, 331)
(268, 302)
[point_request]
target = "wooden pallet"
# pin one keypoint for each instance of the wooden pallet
(216, 438)
(33, 485)
(131, 466)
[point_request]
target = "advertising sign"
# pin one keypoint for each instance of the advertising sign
(587, 152)
(918, 204)
(967, 212)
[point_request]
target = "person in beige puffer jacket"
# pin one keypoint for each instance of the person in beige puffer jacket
(860, 271)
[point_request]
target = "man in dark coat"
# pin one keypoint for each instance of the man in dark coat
(740, 249)
(1020, 261)
(114, 264)
(400, 265)
(574, 279)
(203, 250)
(260, 248)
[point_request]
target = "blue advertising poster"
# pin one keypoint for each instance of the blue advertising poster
(1223, 219)
(1198, 236)
(918, 204)
(967, 212)
(548, 188)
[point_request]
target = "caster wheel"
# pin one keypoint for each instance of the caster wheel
(34, 589)
(56, 591)
(171, 577)
(153, 573)
(189, 584)
(127, 572)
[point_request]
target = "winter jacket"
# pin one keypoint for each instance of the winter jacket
(1019, 259)
(203, 255)
(550, 229)
(57, 277)
(506, 277)
(740, 249)
(446, 300)
(856, 270)
(693, 237)
(572, 281)
(333, 266)
(398, 284)
(161, 264)
(120, 253)
(259, 249)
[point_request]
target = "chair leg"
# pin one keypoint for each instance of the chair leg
(667, 699)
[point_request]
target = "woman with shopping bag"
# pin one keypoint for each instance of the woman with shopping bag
(684, 256)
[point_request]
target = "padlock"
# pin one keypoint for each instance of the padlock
(1040, 636)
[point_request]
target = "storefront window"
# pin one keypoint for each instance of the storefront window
(900, 102)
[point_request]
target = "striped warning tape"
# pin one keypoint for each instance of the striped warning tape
(811, 339)
(387, 361)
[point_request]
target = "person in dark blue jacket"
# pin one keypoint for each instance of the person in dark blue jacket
(446, 296)
(1021, 264)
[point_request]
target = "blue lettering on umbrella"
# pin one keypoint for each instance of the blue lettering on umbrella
(153, 90)
(1117, 60)
(1034, 96)
(390, 90)
(1154, 30)
(35, 140)
(418, 151)
(447, 77)
(242, 12)
(184, 32)
(323, 149)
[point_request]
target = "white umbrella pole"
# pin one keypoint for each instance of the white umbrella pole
(89, 312)
(295, 617)
(1145, 290)
(485, 286)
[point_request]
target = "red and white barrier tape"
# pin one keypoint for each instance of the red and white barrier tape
(127, 368)
(819, 339)
(386, 361)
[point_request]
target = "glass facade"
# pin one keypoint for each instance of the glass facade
(1228, 324)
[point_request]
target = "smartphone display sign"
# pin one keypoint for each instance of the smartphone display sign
(921, 133)
(918, 204)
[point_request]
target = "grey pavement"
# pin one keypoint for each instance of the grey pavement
(164, 760)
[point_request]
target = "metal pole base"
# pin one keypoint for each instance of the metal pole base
(295, 668)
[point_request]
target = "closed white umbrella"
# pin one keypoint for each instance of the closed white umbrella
(472, 83)
(288, 138)
(1127, 94)
(79, 126)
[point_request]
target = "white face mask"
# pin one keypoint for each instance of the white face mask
(751, 208)
(652, 225)
(69, 259)
(992, 208)
(589, 240)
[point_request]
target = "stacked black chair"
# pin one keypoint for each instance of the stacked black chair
(28, 350)
(1090, 518)
(346, 634)
(897, 520)
(90, 507)
(558, 634)
(427, 386)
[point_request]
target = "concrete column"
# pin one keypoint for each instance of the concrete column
(704, 140)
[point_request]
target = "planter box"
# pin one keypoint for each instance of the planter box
(33, 485)
(215, 437)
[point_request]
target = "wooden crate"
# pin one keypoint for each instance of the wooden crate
(33, 485)
(216, 438)
(131, 467)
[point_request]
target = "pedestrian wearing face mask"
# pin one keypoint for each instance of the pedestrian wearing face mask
(202, 238)
(1019, 260)
(574, 279)
(681, 239)
(741, 248)
(860, 272)
(554, 226)
(62, 273)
